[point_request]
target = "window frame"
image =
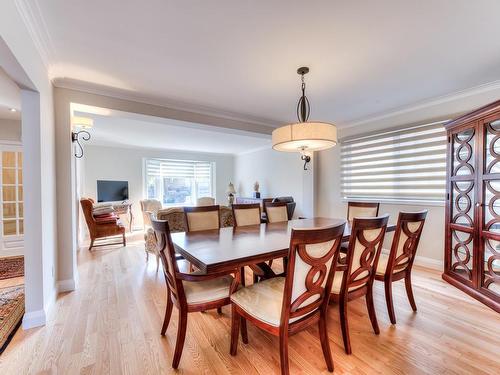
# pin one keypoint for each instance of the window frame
(159, 196)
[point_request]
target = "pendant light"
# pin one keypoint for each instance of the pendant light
(304, 136)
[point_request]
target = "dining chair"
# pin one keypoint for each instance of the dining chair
(202, 218)
(358, 209)
(276, 211)
(250, 214)
(354, 279)
(246, 214)
(397, 263)
(362, 209)
(284, 306)
(189, 292)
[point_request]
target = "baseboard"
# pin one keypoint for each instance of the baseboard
(66, 285)
(434, 264)
(421, 261)
(34, 319)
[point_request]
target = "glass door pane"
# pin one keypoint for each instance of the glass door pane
(11, 186)
(489, 265)
(462, 199)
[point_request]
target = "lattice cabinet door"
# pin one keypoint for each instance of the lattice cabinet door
(462, 209)
(488, 262)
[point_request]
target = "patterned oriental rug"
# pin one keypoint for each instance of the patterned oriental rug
(11, 267)
(11, 313)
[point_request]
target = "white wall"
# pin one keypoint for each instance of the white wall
(278, 174)
(20, 59)
(126, 164)
(10, 130)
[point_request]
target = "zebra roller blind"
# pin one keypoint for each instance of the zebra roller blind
(198, 170)
(402, 165)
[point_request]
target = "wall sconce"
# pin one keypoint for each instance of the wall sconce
(306, 156)
(80, 123)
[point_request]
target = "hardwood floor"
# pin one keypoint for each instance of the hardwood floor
(112, 324)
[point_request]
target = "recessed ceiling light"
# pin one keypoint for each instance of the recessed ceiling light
(13, 110)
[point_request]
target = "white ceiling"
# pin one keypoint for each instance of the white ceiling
(366, 57)
(121, 129)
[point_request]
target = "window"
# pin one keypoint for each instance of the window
(402, 165)
(178, 182)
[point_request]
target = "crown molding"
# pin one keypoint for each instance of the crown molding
(37, 28)
(457, 95)
(96, 89)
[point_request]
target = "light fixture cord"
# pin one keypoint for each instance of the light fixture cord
(303, 106)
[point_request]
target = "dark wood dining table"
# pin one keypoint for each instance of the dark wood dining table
(229, 248)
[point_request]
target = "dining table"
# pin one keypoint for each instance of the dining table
(229, 248)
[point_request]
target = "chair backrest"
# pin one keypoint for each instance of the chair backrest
(205, 201)
(310, 270)
(246, 214)
(202, 218)
(166, 250)
(362, 209)
(276, 211)
(405, 242)
(87, 205)
(365, 245)
(148, 207)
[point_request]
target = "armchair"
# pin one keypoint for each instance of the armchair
(101, 228)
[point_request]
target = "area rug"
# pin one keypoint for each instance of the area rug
(11, 267)
(11, 313)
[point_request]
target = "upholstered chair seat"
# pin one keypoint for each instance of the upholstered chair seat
(207, 291)
(263, 300)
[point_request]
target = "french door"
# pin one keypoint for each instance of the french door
(12, 205)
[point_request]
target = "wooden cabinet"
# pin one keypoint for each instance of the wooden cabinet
(472, 238)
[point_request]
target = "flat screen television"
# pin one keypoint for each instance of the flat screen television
(112, 191)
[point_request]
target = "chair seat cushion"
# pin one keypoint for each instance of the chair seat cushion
(207, 291)
(262, 300)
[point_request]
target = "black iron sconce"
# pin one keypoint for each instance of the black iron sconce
(81, 135)
(306, 158)
(75, 138)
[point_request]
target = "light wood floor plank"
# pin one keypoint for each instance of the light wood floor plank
(111, 325)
